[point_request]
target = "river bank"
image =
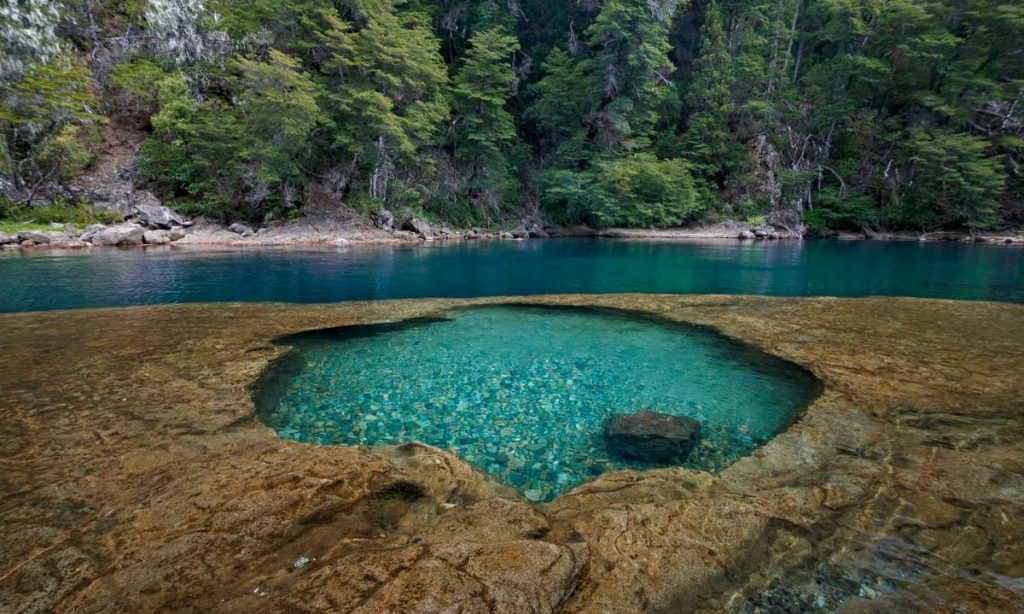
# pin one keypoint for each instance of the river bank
(138, 477)
(330, 231)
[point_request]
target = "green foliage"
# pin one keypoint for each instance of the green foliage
(836, 211)
(708, 141)
(845, 113)
(644, 191)
(386, 91)
(42, 116)
(954, 175)
(24, 217)
(136, 80)
(485, 129)
(630, 46)
(238, 157)
(563, 102)
(638, 190)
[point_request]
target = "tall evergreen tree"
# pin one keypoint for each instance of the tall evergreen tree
(386, 83)
(564, 100)
(484, 128)
(629, 45)
(708, 140)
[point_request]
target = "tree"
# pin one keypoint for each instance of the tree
(386, 84)
(237, 157)
(708, 140)
(637, 190)
(954, 179)
(642, 190)
(564, 100)
(41, 116)
(484, 128)
(629, 46)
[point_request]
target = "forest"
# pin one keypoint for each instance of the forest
(811, 114)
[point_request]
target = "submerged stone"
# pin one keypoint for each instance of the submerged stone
(651, 437)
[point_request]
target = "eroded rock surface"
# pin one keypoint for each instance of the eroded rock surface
(137, 479)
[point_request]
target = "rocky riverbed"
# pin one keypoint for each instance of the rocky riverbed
(136, 477)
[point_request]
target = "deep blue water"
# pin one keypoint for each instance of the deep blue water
(523, 392)
(108, 278)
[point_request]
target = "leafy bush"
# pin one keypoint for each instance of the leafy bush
(955, 177)
(835, 211)
(638, 190)
(643, 191)
(137, 81)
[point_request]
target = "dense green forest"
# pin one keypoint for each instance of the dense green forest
(895, 114)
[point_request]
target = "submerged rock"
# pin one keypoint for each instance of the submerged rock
(652, 437)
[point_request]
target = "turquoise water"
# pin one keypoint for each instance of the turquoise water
(522, 392)
(32, 281)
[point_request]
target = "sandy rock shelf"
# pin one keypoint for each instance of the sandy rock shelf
(134, 477)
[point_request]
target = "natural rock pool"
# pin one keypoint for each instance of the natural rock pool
(523, 392)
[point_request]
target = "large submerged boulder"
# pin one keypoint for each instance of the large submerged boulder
(651, 437)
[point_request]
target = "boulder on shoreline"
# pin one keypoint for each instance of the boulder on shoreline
(122, 235)
(241, 229)
(420, 227)
(384, 220)
(156, 237)
(652, 437)
(38, 237)
(154, 216)
(48, 238)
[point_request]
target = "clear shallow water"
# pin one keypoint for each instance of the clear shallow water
(523, 392)
(111, 278)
